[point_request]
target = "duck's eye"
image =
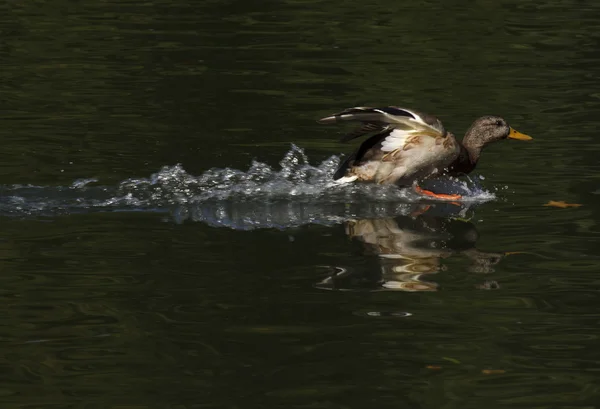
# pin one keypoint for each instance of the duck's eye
(499, 123)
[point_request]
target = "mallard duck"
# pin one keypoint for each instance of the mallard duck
(407, 146)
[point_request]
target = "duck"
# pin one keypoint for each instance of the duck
(407, 146)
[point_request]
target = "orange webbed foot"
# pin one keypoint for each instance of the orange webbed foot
(442, 196)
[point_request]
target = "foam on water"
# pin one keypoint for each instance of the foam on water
(294, 193)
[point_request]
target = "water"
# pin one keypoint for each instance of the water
(171, 236)
(261, 197)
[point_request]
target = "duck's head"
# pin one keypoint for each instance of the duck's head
(488, 129)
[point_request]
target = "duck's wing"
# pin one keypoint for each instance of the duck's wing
(403, 121)
(415, 143)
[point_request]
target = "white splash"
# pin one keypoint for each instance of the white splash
(291, 194)
(295, 179)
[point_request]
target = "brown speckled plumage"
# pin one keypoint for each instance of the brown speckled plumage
(406, 146)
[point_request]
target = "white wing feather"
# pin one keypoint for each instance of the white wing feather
(396, 139)
(416, 124)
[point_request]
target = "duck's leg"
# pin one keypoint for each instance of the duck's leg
(421, 210)
(443, 196)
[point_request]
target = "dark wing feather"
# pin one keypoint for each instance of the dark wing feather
(373, 119)
(367, 114)
(385, 118)
(396, 111)
(345, 165)
(364, 129)
(358, 155)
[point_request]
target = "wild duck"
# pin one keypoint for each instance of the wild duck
(408, 146)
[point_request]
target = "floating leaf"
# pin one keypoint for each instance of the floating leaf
(454, 361)
(561, 204)
(493, 371)
(436, 367)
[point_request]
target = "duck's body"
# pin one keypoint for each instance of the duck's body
(408, 146)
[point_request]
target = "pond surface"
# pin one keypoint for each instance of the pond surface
(170, 236)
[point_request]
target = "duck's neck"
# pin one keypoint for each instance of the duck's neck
(469, 155)
(473, 150)
(474, 143)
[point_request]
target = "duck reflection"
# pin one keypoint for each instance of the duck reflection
(410, 240)
(410, 249)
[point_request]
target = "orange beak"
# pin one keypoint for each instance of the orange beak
(518, 135)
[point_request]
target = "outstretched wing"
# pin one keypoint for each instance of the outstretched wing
(414, 142)
(402, 122)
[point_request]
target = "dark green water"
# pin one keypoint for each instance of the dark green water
(133, 295)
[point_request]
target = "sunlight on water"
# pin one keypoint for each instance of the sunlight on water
(294, 194)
